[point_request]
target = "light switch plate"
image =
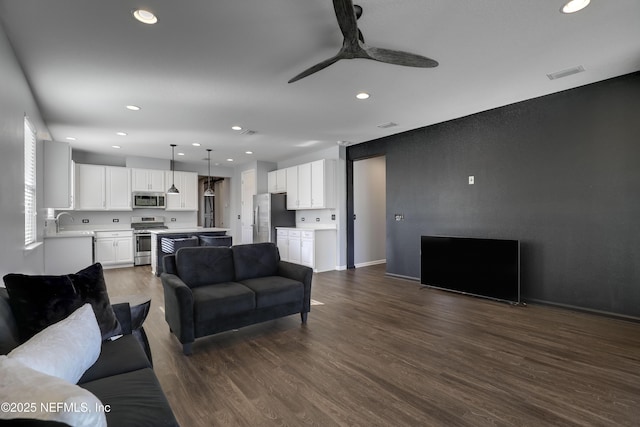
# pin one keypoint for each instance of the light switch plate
(472, 180)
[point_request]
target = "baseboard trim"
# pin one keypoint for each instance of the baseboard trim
(370, 263)
(584, 310)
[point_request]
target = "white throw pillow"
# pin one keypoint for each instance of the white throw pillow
(65, 349)
(26, 393)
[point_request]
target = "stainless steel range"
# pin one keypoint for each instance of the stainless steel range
(142, 226)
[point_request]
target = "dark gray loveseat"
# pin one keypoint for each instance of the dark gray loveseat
(214, 289)
(122, 377)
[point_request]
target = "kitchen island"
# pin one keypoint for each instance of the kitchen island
(177, 233)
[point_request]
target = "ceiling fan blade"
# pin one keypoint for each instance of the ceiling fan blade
(346, 15)
(316, 68)
(399, 57)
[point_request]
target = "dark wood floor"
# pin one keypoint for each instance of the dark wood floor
(383, 352)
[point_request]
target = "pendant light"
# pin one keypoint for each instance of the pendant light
(209, 192)
(173, 189)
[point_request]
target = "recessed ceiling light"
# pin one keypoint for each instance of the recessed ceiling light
(196, 144)
(248, 152)
(70, 138)
(229, 160)
(115, 146)
(180, 154)
(573, 6)
(362, 95)
(145, 16)
(132, 107)
(121, 133)
(236, 127)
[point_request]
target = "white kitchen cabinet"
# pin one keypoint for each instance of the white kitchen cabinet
(118, 188)
(307, 243)
(292, 187)
(187, 185)
(148, 180)
(64, 255)
(311, 185)
(282, 241)
(58, 175)
(293, 243)
(90, 187)
(114, 248)
(100, 188)
(277, 181)
(315, 248)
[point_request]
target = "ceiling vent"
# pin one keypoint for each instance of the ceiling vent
(248, 132)
(387, 125)
(565, 73)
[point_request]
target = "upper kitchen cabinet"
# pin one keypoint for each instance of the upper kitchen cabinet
(311, 185)
(148, 180)
(187, 185)
(100, 188)
(277, 181)
(58, 175)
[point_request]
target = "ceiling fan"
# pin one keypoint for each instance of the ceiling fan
(354, 46)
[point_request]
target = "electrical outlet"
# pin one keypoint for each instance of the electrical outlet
(116, 220)
(333, 217)
(317, 219)
(173, 220)
(238, 216)
(85, 221)
(472, 180)
(302, 219)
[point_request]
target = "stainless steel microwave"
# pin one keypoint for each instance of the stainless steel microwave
(149, 200)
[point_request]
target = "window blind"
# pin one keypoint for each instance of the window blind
(30, 231)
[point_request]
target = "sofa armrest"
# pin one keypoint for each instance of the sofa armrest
(178, 307)
(123, 313)
(301, 273)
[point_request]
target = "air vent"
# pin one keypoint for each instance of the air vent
(248, 132)
(565, 73)
(387, 125)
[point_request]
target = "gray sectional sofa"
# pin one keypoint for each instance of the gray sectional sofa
(214, 289)
(121, 378)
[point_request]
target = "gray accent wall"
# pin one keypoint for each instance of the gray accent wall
(561, 173)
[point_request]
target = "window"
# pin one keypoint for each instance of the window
(30, 231)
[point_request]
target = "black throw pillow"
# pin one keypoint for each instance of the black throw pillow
(40, 301)
(90, 284)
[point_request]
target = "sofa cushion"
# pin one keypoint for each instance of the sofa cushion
(122, 355)
(274, 290)
(65, 349)
(134, 398)
(204, 265)
(90, 284)
(255, 260)
(221, 300)
(45, 397)
(39, 301)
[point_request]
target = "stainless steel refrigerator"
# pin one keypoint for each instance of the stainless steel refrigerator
(270, 211)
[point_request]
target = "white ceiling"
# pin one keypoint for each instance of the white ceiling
(210, 64)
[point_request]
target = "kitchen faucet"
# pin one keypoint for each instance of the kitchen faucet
(58, 220)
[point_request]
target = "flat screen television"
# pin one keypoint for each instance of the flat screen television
(481, 267)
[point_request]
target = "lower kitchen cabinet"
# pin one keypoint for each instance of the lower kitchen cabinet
(315, 248)
(114, 248)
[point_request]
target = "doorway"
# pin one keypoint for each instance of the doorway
(369, 211)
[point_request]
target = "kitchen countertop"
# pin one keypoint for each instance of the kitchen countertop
(74, 233)
(188, 230)
(309, 227)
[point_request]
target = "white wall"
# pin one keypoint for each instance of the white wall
(369, 206)
(16, 100)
